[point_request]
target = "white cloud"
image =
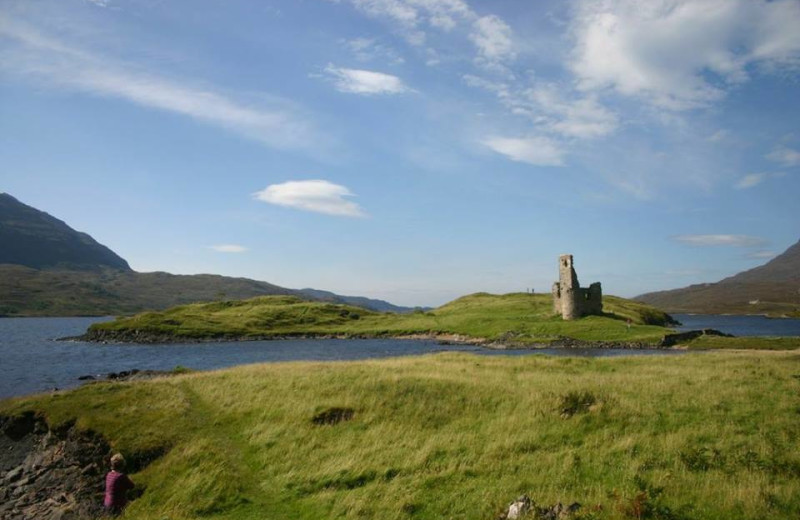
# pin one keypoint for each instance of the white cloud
(750, 180)
(229, 248)
(492, 36)
(720, 240)
(581, 117)
(316, 195)
(551, 108)
(368, 49)
(99, 3)
(413, 16)
(58, 65)
(539, 151)
(761, 255)
(680, 54)
(785, 156)
(365, 82)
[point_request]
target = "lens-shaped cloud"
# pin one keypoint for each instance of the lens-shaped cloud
(316, 195)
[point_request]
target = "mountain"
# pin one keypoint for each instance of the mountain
(35, 239)
(773, 288)
(358, 301)
(49, 269)
(80, 292)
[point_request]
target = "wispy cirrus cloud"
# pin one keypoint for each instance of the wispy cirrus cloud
(415, 16)
(369, 49)
(319, 196)
(785, 156)
(535, 150)
(493, 39)
(762, 255)
(229, 248)
(751, 180)
(365, 82)
(720, 240)
(491, 36)
(59, 65)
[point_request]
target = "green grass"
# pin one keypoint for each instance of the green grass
(745, 342)
(517, 318)
(710, 435)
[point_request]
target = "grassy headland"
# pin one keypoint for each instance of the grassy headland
(696, 436)
(745, 342)
(514, 319)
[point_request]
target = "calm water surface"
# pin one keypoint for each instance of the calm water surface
(31, 361)
(740, 325)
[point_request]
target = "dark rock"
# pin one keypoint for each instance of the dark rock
(681, 337)
(50, 474)
(13, 475)
(86, 378)
(333, 415)
(524, 507)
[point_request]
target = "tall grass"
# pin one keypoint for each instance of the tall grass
(705, 436)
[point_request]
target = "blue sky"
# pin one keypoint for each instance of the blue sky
(411, 150)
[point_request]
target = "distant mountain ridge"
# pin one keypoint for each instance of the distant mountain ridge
(49, 269)
(358, 301)
(772, 288)
(35, 239)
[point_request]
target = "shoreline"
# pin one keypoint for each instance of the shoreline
(669, 341)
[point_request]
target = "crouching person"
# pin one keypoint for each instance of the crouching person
(117, 486)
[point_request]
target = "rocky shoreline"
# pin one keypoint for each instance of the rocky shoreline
(46, 473)
(506, 342)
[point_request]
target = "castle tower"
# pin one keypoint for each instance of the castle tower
(566, 290)
(569, 299)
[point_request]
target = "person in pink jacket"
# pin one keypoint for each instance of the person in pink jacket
(117, 486)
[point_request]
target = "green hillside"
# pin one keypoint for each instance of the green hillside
(517, 318)
(772, 289)
(709, 436)
(98, 292)
(35, 239)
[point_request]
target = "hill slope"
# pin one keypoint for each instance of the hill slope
(33, 238)
(358, 301)
(59, 292)
(49, 269)
(775, 285)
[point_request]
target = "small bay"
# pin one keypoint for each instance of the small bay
(750, 325)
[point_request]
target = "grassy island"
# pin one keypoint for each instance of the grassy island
(513, 319)
(696, 436)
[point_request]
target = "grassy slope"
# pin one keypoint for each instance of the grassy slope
(517, 317)
(745, 342)
(458, 436)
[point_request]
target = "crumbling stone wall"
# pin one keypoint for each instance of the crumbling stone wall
(570, 299)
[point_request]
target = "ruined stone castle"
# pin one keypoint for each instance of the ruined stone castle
(570, 299)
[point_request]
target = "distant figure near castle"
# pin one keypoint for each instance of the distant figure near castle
(569, 298)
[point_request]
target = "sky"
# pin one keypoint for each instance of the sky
(411, 150)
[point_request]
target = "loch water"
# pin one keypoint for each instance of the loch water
(740, 325)
(31, 360)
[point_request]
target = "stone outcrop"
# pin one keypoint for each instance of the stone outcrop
(570, 299)
(50, 474)
(525, 508)
(670, 340)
